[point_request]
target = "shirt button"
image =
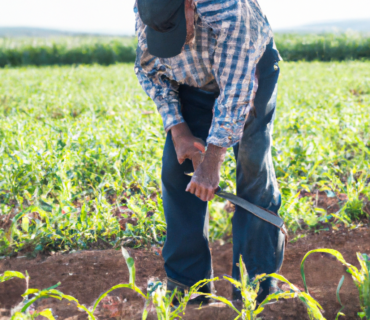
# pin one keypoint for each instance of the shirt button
(276, 67)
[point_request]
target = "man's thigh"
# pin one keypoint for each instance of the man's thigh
(256, 179)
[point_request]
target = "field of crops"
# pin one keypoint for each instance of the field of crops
(80, 161)
(80, 155)
(110, 50)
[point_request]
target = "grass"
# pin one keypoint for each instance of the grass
(111, 50)
(80, 155)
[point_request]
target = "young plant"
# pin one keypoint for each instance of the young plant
(156, 295)
(163, 300)
(361, 277)
(249, 290)
(339, 300)
(21, 311)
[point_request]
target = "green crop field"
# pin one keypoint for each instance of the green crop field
(80, 155)
(111, 50)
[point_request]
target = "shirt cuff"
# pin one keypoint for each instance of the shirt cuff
(225, 134)
(172, 116)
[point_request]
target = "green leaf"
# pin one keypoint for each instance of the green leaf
(339, 314)
(19, 316)
(236, 283)
(353, 270)
(221, 299)
(282, 279)
(340, 284)
(145, 314)
(30, 291)
(275, 296)
(47, 314)
(130, 264)
(25, 223)
(361, 315)
(129, 286)
(7, 275)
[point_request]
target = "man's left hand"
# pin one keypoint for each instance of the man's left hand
(206, 177)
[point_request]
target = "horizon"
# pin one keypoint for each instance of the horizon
(108, 32)
(117, 17)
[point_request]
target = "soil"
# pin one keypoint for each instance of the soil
(86, 274)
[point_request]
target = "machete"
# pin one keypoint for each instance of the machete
(263, 214)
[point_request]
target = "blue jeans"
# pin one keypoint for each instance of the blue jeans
(186, 251)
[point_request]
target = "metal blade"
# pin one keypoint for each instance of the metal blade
(257, 211)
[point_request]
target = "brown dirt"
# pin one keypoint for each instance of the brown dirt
(85, 275)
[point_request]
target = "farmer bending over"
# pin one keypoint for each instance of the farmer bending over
(211, 68)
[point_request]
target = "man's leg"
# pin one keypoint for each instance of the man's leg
(186, 253)
(260, 243)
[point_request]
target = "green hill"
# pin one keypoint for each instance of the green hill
(12, 32)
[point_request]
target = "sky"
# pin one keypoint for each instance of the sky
(116, 16)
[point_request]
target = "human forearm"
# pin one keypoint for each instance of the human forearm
(207, 176)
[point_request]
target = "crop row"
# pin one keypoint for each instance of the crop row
(167, 310)
(105, 51)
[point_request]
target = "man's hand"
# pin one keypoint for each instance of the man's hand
(186, 145)
(206, 177)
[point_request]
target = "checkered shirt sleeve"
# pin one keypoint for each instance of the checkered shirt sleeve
(242, 34)
(151, 75)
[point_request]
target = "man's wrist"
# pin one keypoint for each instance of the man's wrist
(180, 130)
(215, 151)
(214, 157)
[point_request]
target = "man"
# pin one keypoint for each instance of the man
(211, 68)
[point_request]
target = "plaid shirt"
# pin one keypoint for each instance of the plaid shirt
(230, 38)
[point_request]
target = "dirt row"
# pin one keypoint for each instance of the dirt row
(86, 274)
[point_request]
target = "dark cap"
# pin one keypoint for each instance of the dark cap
(166, 26)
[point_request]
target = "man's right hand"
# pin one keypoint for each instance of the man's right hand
(186, 145)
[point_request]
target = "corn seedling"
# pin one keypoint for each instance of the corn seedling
(361, 277)
(249, 289)
(339, 300)
(156, 295)
(21, 311)
(163, 300)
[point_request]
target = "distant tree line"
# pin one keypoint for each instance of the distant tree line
(71, 50)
